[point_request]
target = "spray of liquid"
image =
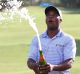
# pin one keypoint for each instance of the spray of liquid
(13, 8)
(25, 14)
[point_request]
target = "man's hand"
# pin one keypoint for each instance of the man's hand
(44, 69)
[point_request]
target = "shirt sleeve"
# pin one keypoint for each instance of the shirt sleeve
(33, 51)
(70, 49)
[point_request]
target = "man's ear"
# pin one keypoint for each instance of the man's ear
(59, 18)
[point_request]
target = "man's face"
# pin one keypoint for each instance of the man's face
(52, 20)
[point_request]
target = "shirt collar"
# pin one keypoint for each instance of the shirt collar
(59, 33)
(44, 35)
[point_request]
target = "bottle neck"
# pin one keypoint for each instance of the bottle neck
(41, 53)
(42, 60)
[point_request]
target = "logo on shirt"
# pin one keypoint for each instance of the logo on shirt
(59, 45)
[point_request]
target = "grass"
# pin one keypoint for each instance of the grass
(15, 39)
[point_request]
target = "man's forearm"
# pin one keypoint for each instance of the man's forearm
(61, 67)
(32, 65)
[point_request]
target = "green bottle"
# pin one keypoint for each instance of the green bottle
(42, 60)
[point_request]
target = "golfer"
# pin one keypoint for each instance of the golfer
(59, 48)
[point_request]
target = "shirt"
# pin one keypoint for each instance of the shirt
(56, 50)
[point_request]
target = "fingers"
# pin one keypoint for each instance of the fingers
(43, 72)
(44, 69)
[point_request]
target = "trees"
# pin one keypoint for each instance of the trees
(70, 3)
(65, 3)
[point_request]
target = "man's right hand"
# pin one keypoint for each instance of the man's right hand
(32, 64)
(38, 69)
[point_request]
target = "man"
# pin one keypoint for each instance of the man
(59, 48)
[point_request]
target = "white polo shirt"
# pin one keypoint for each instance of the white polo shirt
(56, 50)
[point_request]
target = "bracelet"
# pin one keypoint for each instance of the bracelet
(51, 67)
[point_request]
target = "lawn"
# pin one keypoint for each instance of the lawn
(16, 36)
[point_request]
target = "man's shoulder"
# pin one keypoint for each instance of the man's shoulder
(43, 35)
(35, 39)
(67, 36)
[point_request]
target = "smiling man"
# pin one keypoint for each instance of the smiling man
(59, 48)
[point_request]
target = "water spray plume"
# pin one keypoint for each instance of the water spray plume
(25, 14)
(13, 8)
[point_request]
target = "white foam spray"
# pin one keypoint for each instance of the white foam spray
(13, 8)
(25, 14)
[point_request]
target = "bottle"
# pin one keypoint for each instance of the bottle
(42, 60)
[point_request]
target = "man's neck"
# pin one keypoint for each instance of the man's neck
(51, 33)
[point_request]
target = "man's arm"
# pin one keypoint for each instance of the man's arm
(46, 68)
(60, 67)
(32, 64)
(63, 66)
(69, 55)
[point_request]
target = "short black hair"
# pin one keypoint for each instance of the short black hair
(51, 8)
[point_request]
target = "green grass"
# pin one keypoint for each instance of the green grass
(15, 39)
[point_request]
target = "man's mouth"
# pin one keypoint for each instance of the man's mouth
(50, 21)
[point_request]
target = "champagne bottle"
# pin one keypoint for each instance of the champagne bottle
(42, 60)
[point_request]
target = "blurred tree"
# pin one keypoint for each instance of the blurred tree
(70, 3)
(3, 0)
(67, 3)
(30, 2)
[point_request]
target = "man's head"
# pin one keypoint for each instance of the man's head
(53, 17)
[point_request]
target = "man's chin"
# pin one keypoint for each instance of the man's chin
(52, 29)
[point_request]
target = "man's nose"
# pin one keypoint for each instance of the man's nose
(51, 18)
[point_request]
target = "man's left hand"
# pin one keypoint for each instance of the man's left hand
(44, 69)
